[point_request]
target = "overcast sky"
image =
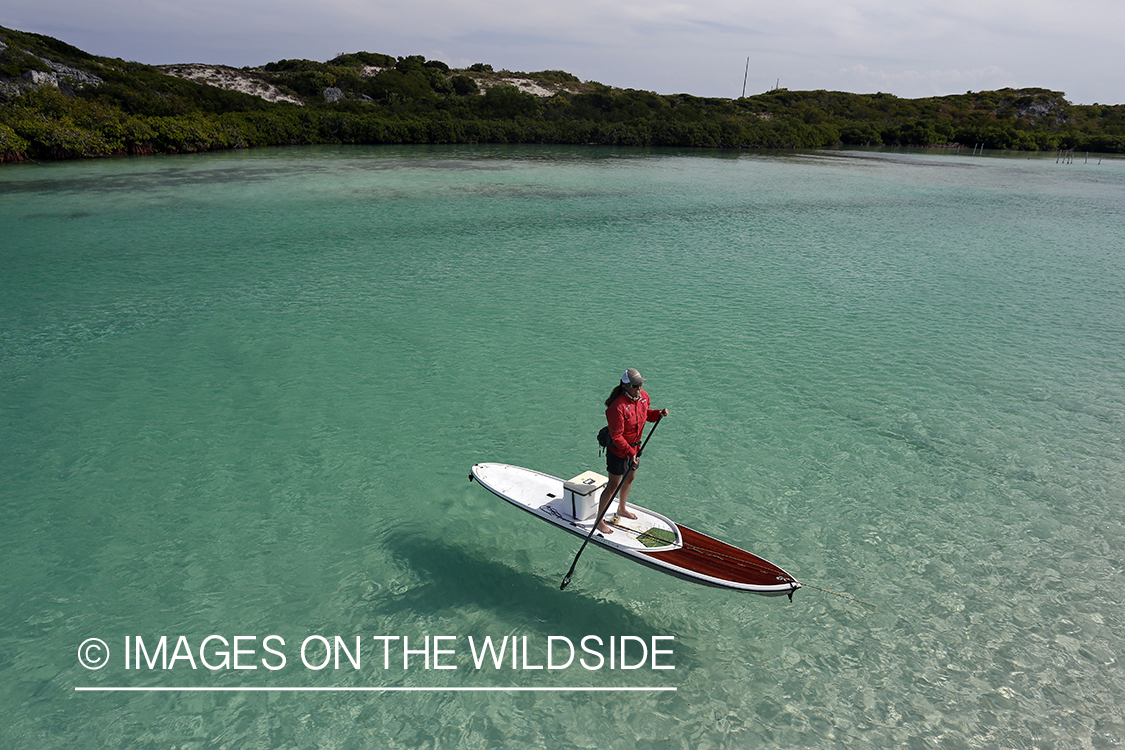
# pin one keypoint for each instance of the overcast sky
(903, 47)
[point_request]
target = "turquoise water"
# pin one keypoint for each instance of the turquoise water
(240, 395)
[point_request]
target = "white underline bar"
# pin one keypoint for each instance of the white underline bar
(369, 689)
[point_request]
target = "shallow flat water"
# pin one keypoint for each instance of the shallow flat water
(240, 395)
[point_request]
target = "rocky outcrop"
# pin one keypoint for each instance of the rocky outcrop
(59, 76)
(333, 94)
(231, 79)
(60, 80)
(73, 75)
(1035, 106)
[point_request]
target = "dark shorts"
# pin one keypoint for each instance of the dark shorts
(614, 464)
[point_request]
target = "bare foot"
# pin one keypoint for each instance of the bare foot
(604, 529)
(627, 514)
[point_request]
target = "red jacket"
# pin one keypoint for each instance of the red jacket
(626, 419)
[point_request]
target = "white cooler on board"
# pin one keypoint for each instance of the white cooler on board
(582, 494)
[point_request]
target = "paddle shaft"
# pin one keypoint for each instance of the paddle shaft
(602, 512)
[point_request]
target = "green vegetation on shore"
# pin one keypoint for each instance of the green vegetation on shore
(58, 102)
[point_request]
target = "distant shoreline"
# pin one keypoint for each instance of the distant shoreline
(58, 102)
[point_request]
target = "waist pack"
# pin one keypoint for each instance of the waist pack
(604, 440)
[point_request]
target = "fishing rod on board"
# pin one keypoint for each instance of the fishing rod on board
(601, 514)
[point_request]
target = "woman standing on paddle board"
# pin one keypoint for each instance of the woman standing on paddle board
(627, 410)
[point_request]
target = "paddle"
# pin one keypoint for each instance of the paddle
(598, 520)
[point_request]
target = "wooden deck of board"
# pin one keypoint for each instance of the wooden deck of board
(709, 556)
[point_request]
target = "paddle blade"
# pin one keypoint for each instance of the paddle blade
(573, 565)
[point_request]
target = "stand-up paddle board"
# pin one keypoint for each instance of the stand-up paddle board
(651, 539)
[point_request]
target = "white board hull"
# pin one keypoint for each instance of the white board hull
(652, 539)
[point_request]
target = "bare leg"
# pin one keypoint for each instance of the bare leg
(603, 501)
(624, 495)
